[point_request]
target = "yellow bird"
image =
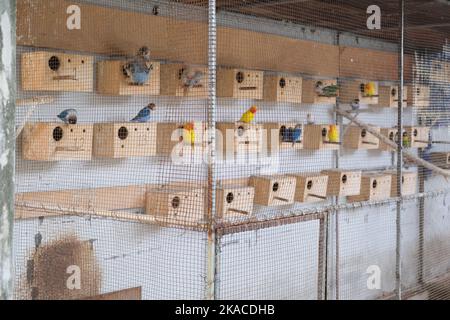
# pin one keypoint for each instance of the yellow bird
(189, 133)
(333, 133)
(370, 89)
(249, 115)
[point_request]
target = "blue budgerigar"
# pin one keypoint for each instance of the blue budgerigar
(68, 116)
(145, 114)
(297, 134)
(139, 68)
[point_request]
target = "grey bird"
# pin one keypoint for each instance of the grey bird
(355, 105)
(191, 78)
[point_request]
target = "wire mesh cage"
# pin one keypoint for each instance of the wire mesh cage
(232, 150)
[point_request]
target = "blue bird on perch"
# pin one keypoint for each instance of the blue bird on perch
(68, 116)
(139, 68)
(296, 134)
(145, 114)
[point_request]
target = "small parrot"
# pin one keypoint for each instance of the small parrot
(189, 133)
(139, 68)
(249, 115)
(145, 114)
(296, 134)
(68, 116)
(327, 91)
(370, 89)
(191, 78)
(406, 141)
(309, 119)
(355, 105)
(333, 133)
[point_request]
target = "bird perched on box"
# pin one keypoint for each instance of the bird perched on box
(370, 89)
(189, 133)
(145, 114)
(405, 140)
(68, 116)
(309, 119)
(139, 68)
(296, 134)
(249, 115)
(326, 91)
(191, 78)
(333, 133)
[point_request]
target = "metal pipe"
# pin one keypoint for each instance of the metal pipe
(7, 141)
(398, 252)
(211, 245)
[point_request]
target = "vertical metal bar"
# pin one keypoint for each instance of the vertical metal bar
(7, 140)
(322, 271)
(421, 221)
(211, 246)
(398, 268)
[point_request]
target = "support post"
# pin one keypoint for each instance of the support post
(211, 246)
(7, 140)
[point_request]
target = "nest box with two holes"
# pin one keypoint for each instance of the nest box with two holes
(172, 81)
(283, 89)
(113, 80)
(174, 139)
(239, 139)
(240, 84)
(418, 136)
(359, 138)
(234, 201)
(391, 134)
(313, 94)
(273, 190)
(440, 159)
(409, 183)
(318, 136)
(124, 140)
(283, 136)
(418, 96)
(51, 71)
(389, 96)
(374, 187)
(365, 91)
(57, 141)
(175, 204)
(311, 187)
(342, 183)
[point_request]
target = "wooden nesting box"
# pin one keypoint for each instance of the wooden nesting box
(343, 183)
(391, 134)
(283, 89)
(418, 136)
(124, 140)
(389, 96)
(311, 187)
(359, 138)
(441, 159)
(409, 183)
(317, 136)
(311, 92)
(238, 139)
(176, 204)
(374, 186)
(351, 90)
(234, 201)
(240, 84)
(56, 141)
(283, 136)
(419, 96)
(273, 190)
(55, 71)
(111, 80)
(174, 139)
(172, 83)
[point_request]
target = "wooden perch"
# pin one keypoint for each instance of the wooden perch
(393, 145)
(35, 101)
